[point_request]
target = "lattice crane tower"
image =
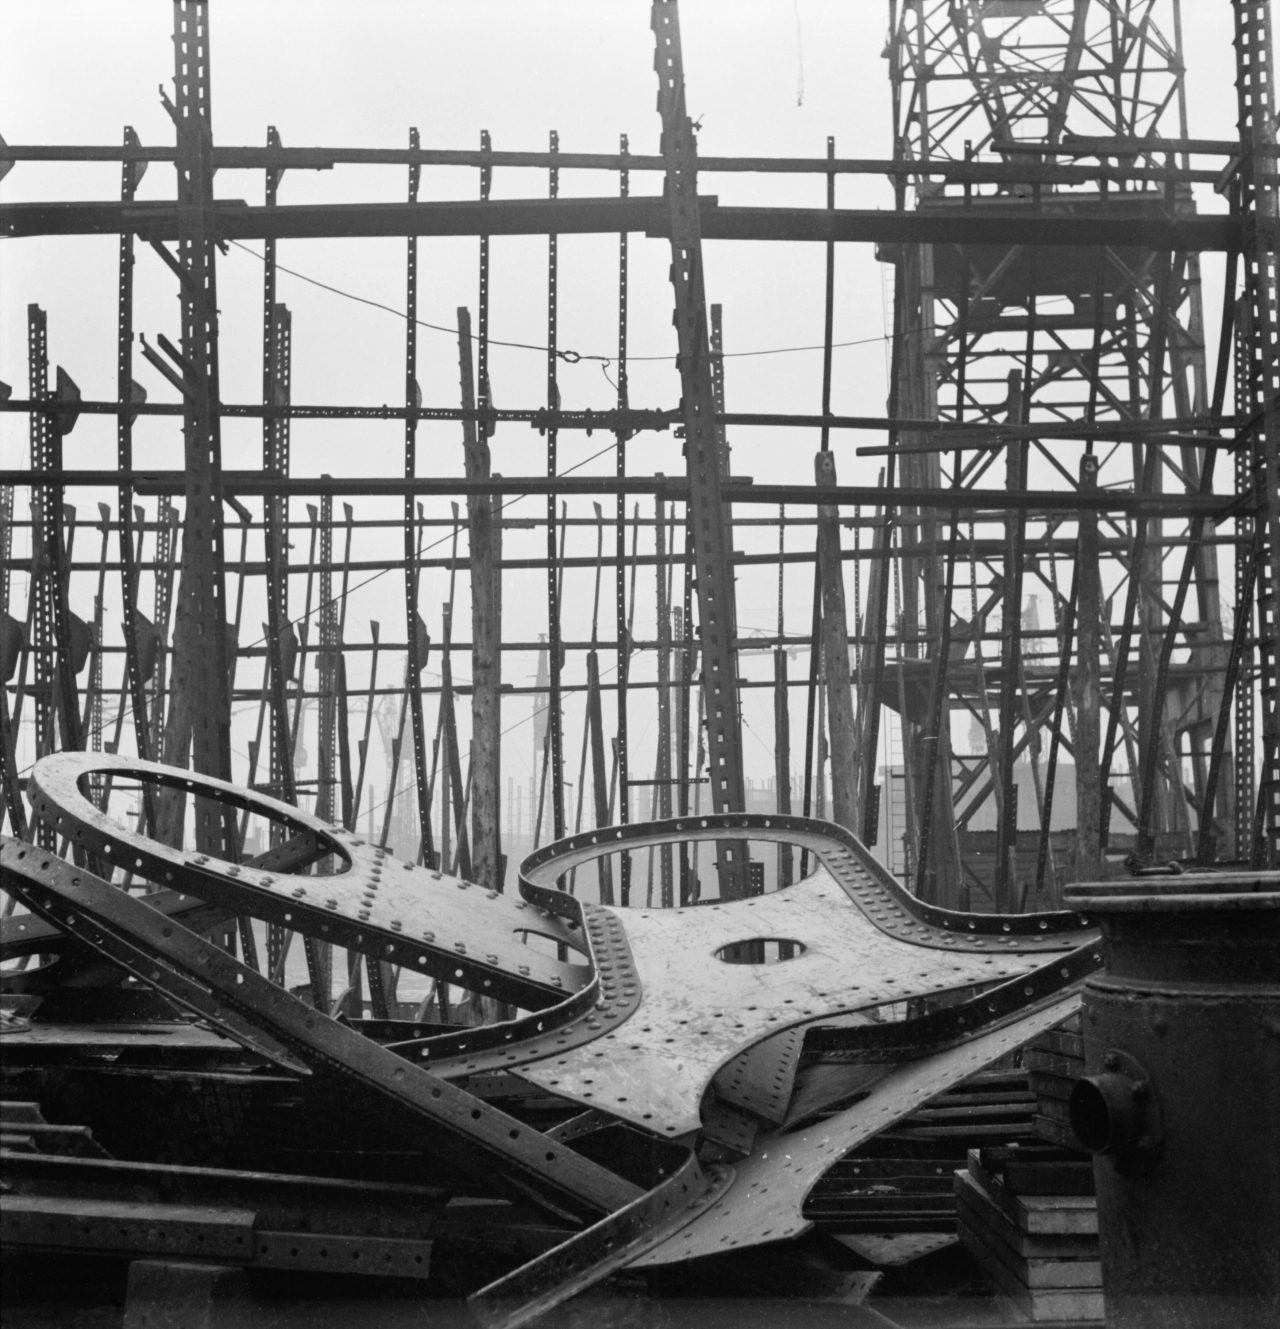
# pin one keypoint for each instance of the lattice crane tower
(1081, 369)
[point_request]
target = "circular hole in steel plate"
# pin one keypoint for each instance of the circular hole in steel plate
(761, 950)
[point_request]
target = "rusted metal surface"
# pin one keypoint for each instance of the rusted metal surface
(662, 994)
(613, 1243)
(465, 933)
(769, 1188)
(1179, 1101)
(646, 1018)
(248, 1008)
(857, 945)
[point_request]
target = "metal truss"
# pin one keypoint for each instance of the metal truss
(1051, 395)
(1011, 339)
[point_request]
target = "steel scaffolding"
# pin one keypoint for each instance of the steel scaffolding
(1027, 659)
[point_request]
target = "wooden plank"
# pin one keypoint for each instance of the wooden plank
(835, 651)
(1028, 1151)
(1052, 1063)
(1049, 1304)
(1055, 1132)
(1040, 1215)
(55, 1139)
(1000, 1108)
(1032, 1170)
(485, 548)
(953, 1099)
(1055, 1305)
(16, 1113)
(1035, 1271)
(1000, 1130)
(1055, 1087)
(1060, 1041)
(1055, 1110)
(1065, 1178)
(970, 1196)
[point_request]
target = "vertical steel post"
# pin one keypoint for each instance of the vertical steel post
(1260, 203)
(716, 610)
(277, 337)
(47, 555)
(414, 627)
(1066, 623)
(622, 636)
(555, 717)
(11, 649)
(686, 660)
(362, 746)
(199, 720)
(282, 642)
(662, 766)
(1087, 686)
(782, 715)
(131, 173)
(166, 557)
(91, 720)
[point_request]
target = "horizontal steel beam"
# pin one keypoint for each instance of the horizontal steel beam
(246, 484)
(966, 434)
(250, 483)
(280, 158)
(983, 549)
(235, 220)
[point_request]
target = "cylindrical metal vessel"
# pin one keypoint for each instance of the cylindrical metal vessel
(1181, 1101)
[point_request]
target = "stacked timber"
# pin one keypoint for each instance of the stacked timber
(1055, 1062)
(900, 1181)
(1028, 1215)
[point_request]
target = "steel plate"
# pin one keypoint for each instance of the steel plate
(764, 1202)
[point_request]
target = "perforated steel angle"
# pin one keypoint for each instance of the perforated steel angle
(239, 1002)
(442, 926)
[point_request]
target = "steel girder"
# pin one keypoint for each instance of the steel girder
(1258, 475)
(639, 1016)
(1012, 223)
(708, 513)
(198, 722)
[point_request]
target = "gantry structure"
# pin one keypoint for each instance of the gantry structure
(1063, 426)
(1083, 368)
